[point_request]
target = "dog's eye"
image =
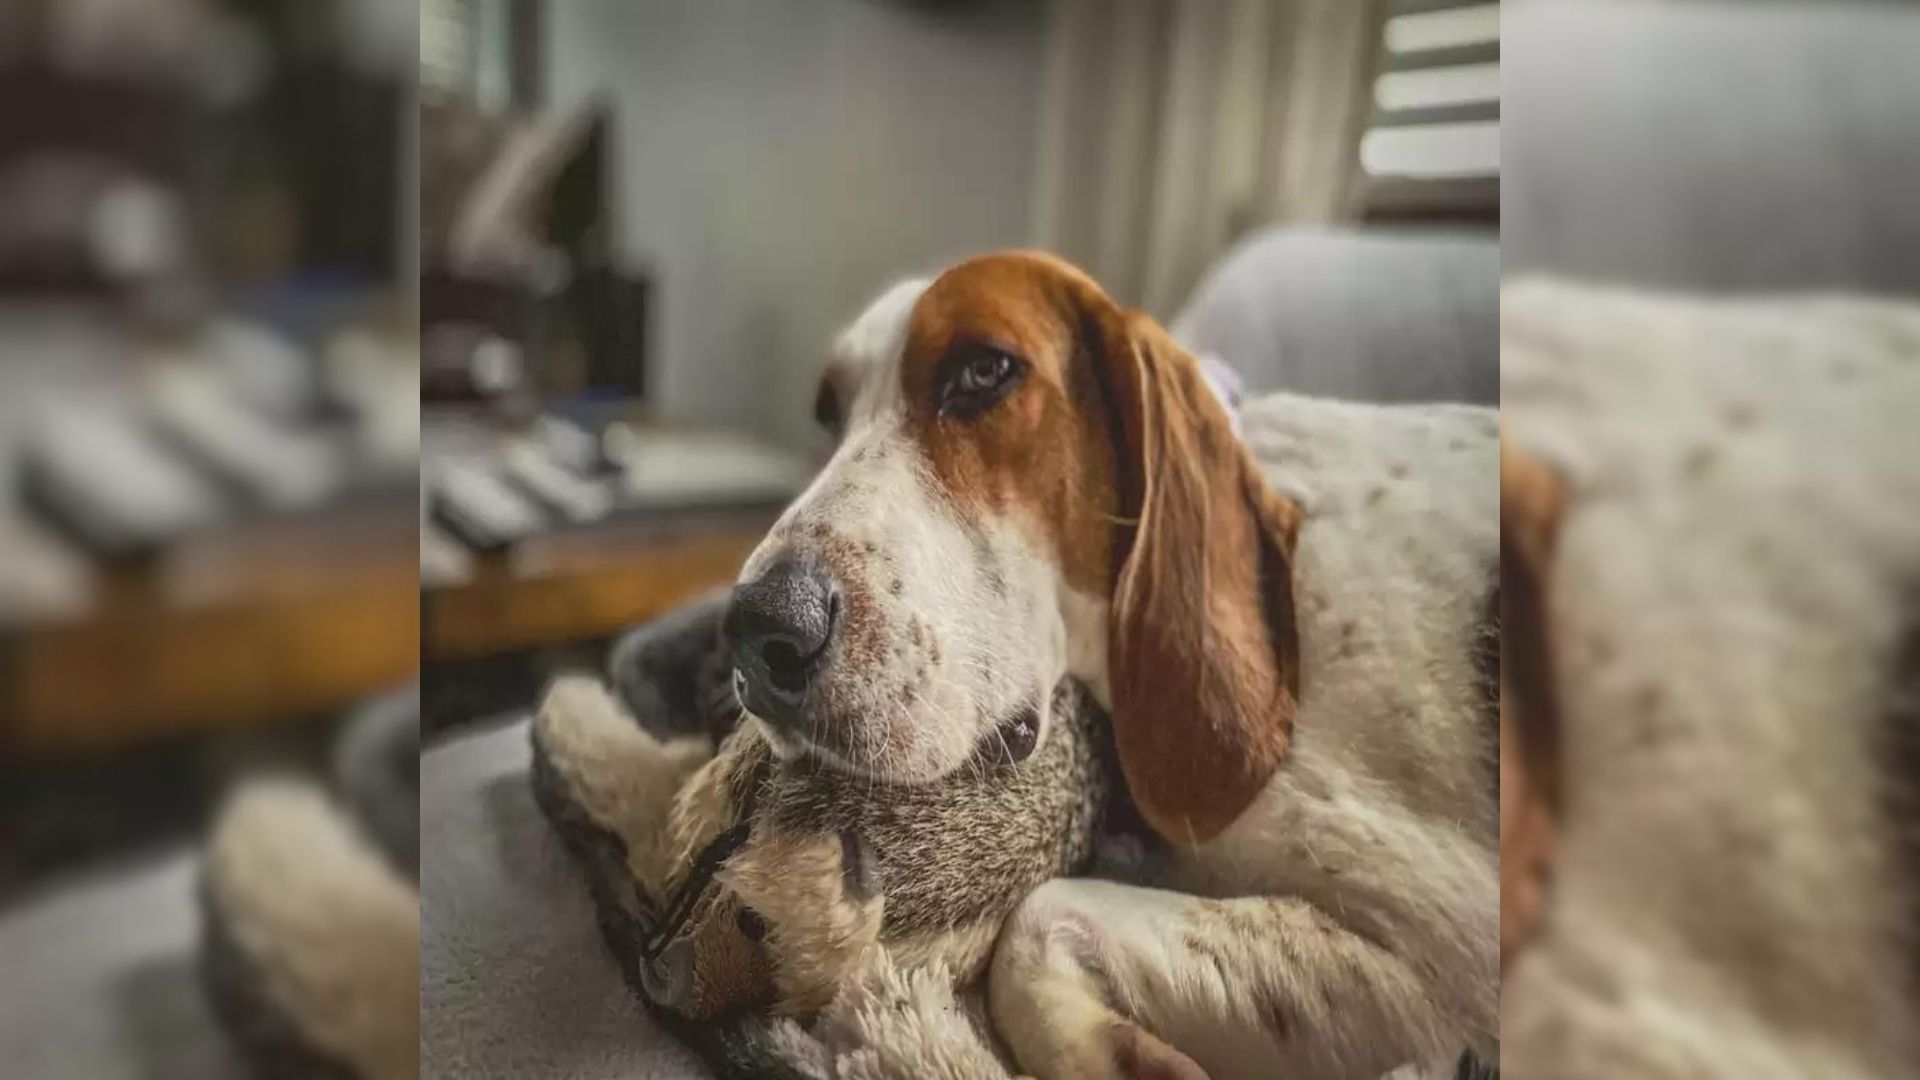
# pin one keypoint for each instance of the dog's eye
(984, 372)
(978, 378)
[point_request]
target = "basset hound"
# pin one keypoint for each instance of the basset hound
(1292, 628)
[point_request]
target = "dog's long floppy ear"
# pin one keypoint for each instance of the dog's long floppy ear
(1530, 509)
(1202, 650)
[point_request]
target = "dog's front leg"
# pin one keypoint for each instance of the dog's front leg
(1097, 979)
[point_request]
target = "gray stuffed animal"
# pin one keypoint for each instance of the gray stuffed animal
(733, 887)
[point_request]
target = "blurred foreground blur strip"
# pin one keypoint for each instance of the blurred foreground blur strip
(209, 449)
(1710, 367)
(208, 370)
(1717, 745)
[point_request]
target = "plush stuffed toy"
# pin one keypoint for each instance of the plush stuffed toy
(788, 918)
(310, 944)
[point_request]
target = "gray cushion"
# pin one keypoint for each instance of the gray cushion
(103, 981)
(514, 979)
(1363, 315)
(1718, 146)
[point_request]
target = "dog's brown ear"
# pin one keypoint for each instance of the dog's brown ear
(1530, 508)
(1202, 648)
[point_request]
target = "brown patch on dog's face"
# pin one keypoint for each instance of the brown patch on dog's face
(1039, 452)
(1101, 419)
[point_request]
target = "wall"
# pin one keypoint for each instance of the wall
(781, 162)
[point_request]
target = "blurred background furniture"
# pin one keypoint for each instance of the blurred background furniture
(560, 502)
(207, 404)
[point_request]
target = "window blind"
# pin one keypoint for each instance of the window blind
(1433, 145)
(449, 40)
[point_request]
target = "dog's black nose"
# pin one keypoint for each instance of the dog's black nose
(780, 625)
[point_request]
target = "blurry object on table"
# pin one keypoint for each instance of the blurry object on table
(558, 534)
(558, 508)
(520, 293)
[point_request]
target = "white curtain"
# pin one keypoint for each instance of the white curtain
(1169, 128)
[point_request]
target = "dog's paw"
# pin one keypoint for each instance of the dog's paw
(1067, 1030)
(1130, 1052)
(888, 1021)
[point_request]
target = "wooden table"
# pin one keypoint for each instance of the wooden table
(577, 585)
(224, 633)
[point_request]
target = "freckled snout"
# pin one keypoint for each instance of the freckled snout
(781, 625)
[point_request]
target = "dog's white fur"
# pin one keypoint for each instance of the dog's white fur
(890, 1021)
(873, 1008)
(1347, 923)
(970, 655)
(1361, 885)
(1741, 526)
